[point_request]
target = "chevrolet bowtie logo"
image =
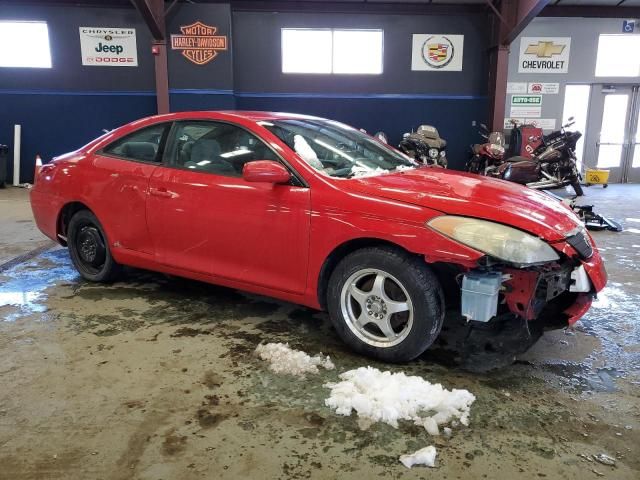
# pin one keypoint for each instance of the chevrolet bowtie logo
(544, 49)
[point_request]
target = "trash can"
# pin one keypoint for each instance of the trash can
(4, 160)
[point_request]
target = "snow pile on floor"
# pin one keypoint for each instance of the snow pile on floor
(388, 397)
(424, 456)
(283, 359)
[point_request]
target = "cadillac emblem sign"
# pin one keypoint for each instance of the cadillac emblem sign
(199, 43)
(437, 51)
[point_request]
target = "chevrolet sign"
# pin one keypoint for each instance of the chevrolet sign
(544, 55)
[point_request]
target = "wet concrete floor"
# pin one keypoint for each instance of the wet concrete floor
(155, 378)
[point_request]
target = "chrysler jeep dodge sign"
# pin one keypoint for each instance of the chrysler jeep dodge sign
(108, 47)
(544, 55)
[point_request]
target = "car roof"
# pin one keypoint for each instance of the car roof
(244, 114)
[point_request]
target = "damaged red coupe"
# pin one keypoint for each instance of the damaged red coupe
(315, 212)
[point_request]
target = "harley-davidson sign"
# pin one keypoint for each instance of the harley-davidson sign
(199, 42)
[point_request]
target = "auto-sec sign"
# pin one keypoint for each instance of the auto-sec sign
(544, 54)
(108, 47)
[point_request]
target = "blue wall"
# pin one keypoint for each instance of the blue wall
(186, 100)
(394, 115)
(63, 108)
(57, 122)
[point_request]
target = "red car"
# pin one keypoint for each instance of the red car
(318, 213)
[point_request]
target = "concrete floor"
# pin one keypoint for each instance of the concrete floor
(18, 234)
(155, 378)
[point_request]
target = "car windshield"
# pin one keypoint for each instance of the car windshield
(336, 149)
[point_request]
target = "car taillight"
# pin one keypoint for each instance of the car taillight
(38, 167)
(45, 171)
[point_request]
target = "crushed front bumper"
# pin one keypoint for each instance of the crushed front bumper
(558, 294)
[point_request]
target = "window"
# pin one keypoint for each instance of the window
(576, 105)
(332, 51)
(143, 145)
(616, 58)
(213, 147)
(24, 44)
(337, 150)
(306, 51)
(612, 133)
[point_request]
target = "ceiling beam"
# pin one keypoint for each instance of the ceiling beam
(388, 8)
(152, 12)
(590, 11)
(527, 11)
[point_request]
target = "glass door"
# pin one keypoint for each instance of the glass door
(612, 132)
(632, 170)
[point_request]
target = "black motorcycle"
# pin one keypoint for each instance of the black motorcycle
(425, 146)
(553, 162)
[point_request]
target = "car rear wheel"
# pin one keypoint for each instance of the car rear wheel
(89, 249)
(385, 303)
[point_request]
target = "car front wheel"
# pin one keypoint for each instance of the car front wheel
(89, 249)
(385, 303)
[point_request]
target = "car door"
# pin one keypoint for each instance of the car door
(204, 217)
(119, 182)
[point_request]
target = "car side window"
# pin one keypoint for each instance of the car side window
(215, 147)
(142, 145)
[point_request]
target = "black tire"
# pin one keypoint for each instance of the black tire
(89, 248)
(577, 187)
(425, 298)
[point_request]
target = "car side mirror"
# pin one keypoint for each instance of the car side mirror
(266, 171)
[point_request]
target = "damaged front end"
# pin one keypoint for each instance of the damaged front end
(506, 307)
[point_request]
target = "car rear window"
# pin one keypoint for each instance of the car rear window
(142, 145)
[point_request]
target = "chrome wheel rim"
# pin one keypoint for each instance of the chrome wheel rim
(376, 307)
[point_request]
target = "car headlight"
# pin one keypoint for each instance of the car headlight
(443, 153)
(433, 152)
(505, 243)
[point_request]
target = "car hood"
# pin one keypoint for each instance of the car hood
(470, 195)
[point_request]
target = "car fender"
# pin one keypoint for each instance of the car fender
(62, 191)
(403, 225)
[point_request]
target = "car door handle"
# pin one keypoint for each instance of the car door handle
(161, 192)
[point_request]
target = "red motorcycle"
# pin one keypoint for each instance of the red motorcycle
(487, 157)
(538, 161)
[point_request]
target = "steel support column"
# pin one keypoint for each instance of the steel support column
(153, 13)
(162, 76)
(498, 73)
(508, 22)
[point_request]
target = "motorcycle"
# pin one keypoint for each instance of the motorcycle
(426, 146)
(552, 163)
(487, 157)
